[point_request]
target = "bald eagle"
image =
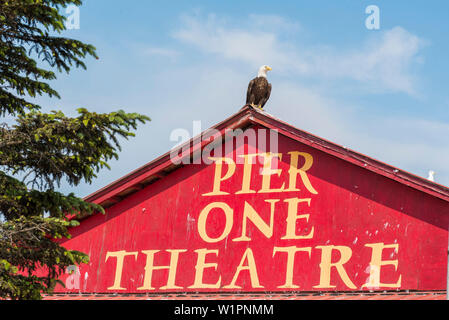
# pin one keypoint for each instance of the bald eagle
(259, 89)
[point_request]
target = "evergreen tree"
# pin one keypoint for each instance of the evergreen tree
(44, 149)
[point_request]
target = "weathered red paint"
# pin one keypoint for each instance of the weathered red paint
(353, 203)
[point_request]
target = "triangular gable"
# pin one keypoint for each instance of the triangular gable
(160, 167)
(312, 217)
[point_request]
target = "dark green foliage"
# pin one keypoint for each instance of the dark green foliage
(44, 149)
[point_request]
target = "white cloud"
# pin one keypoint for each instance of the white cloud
(414, 145)
(383, 63)
(162, 52)
(212, 88)
(217, 92)
(272, 23)
(212, 35)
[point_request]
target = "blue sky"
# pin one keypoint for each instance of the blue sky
(380, 92)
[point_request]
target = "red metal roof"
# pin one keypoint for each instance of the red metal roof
(247, 116)
(398, 295)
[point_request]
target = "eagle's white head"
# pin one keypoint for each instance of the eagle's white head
(263, 71)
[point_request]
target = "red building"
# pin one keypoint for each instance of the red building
(257, 208)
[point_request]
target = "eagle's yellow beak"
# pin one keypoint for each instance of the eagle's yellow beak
(268, 68)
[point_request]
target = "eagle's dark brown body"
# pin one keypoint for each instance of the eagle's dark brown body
(259, 91)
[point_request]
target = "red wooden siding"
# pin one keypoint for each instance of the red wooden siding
(346, 215)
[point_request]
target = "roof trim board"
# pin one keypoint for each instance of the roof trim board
(162, 165)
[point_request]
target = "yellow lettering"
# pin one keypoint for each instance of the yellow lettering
(200, 266)
(247, 168)
(293, 171)
(290, 263)
(251, 214)
(267, 172)
(218, 178)
(377, 263)
(292, 217)
(203, 218)
(250, 266)
(326, 265)
(120, 255)
(149, 267)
